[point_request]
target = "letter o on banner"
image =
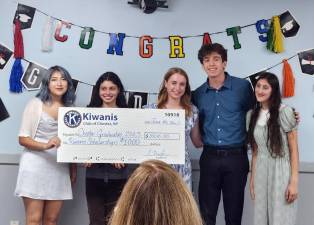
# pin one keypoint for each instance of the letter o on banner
(91, 32)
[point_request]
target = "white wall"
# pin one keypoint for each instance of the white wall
(184, 17)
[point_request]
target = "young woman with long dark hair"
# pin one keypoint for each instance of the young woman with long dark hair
(104, 182)
(272, 135)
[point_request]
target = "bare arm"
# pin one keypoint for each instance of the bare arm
(253, 171)
(31, 144)
(196, 136)
(292, 190)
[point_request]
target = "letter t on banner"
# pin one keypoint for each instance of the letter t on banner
(234, 31)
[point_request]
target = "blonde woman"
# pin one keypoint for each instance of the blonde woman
(175, 93)
(155, 195)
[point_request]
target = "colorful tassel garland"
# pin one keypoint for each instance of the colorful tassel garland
(15, 77)
(275, 36)
(47, 38)
(18, 40)
(288, 80)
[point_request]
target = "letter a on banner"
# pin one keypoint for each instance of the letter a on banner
(176, 47)
(206, 39)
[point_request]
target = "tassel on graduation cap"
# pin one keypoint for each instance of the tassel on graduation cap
(17, 69)
(275, 36)
(15, 77)
(288, 80)
(18, 41)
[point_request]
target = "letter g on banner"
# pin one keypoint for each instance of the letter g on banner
(33, 76)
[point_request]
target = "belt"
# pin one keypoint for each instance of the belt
(211, 150)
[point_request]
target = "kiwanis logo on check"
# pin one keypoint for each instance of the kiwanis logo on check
(72, 118)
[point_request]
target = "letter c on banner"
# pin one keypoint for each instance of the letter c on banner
(146, 44)
(58, 31)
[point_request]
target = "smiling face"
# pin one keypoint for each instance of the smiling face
(263, 91)
(175, 86)
(214, 65)
(108, 92)
(58, 85)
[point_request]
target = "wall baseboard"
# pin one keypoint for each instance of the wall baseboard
(13, 159)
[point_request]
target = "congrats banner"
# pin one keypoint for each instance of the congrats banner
(60, 29)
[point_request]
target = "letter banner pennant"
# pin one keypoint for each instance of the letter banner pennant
(3, 111)
(306, 59)
(33, 76)
(25, 14)
(5, 55)
(137, 99)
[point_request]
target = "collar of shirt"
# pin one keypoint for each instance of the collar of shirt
(227, 83)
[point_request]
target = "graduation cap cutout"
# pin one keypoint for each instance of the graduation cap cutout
(253, 78)
(289, 26)
(3, 111)
(5, 55)
(137, 99)
(25, 14)
(149, 6)
(306, 59)
(75, 83)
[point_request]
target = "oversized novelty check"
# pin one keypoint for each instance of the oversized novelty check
(102, 135)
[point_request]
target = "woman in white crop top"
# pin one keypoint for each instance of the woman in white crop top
(43, 183)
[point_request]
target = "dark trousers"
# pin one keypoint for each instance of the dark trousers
(223, 171)
(101, 198)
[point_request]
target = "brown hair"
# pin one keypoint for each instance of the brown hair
(155, 194)
(185, 99)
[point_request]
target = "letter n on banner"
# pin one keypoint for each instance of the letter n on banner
(33, 76)
(116, 43)
(137, 99)
(176, 47)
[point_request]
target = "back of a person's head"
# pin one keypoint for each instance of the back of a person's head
(155, 194)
